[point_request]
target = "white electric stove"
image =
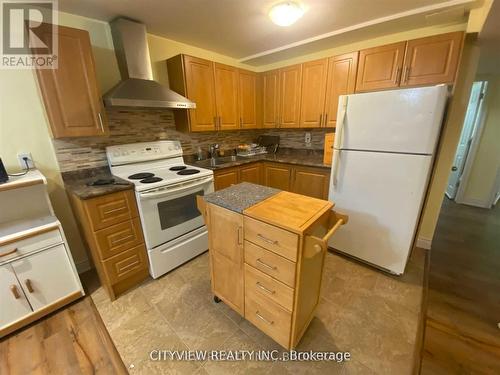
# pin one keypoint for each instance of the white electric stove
(166, 190)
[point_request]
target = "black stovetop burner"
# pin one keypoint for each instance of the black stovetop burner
(150, 180)
(178, 168)
(188, 171)
(141, 176)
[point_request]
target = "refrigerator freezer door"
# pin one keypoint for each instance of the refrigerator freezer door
(382, 193)
(406, 121)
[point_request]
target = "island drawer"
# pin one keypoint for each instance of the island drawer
(118, 238)
(270, 263)
(268, 236)
(259, 283)
(269, 317)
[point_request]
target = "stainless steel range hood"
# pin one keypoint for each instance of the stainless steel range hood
(137, 88)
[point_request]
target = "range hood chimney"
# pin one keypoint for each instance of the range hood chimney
(137, 87)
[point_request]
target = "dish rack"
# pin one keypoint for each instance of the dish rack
(252, 151)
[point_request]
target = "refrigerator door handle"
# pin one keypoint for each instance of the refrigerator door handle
(339, 131)
(335, 165)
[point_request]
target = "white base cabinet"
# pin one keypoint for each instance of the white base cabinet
(14, 304)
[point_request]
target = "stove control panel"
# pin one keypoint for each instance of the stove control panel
(144, 151)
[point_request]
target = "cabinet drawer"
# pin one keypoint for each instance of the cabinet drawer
(28, 244)
(280, 241)
(126, 264)
(270, 263)
(269, 317)
(111, 209)
(259, 283)
(120, 237)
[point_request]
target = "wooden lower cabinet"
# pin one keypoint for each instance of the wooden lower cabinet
(277, 176)
(112, 230)
(269, 268)
(311, 182)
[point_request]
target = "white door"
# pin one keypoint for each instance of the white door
(13, 303)
(46, 276)
(407, 121)
(465, 141)
(382, 193)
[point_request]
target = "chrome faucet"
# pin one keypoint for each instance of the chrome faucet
(213, 150)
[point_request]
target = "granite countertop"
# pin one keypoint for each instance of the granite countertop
(240, 197)
(310, 158)
(76, 182)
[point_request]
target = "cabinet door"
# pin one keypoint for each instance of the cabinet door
(312, 182)
(226, 97)
(314, 75)
(270, 99)
(277, 176)
(432, 60)
(70, 92)
(290, 89)
(341, 81)
(46, 276)
(226, 255)
(248, 99)
(225, 178)
(200, 88)
(380, 67)
(14, 303)
(251, 174)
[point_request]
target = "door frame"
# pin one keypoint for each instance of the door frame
(482, 114)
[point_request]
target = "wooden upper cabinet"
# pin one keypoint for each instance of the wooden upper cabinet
(200, 88)
(226, 97)
(248, 90)
(314, 75)
(380, 67)
(70, 92)
(270, 98)
(432, 60)
(341, 81)
(290, 95)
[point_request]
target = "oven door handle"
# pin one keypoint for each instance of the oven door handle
(164, 192)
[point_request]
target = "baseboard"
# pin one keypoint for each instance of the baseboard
(475, 202)
(424, 243)
(83, 266)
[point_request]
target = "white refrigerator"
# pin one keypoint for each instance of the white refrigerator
(383, 153)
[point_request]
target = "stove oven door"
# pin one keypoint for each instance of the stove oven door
(171, 211)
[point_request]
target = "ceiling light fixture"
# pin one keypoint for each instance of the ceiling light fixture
(285, 14)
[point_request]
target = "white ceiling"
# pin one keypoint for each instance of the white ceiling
(241, 28)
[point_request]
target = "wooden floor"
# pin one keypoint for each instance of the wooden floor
(462, 334)
(70, 341)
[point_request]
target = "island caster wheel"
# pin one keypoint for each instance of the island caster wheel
(217, 299)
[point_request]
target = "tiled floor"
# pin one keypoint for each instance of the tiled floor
(372, 315)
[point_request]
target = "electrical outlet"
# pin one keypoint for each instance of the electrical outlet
(307, 138)
(20, 158)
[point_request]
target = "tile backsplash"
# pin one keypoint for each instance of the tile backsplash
(128, 125)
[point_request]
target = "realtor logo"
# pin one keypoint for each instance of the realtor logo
(29, 37)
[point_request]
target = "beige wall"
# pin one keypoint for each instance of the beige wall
(449, 140)
(486, 164)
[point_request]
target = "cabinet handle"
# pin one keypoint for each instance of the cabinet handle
(114, 210)
(14, 291)
(241, 122)
(100, 121)
(325, 120)
(27, 282)
(398, 75)
(264, 288)
(274, 268)
(320, 120)
(240, 241)
(220, 122)
(8, 252)
(215, 122)
(268, 240)
(407, 74)
(270, 322)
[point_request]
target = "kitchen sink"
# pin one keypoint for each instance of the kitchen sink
(215, 162)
